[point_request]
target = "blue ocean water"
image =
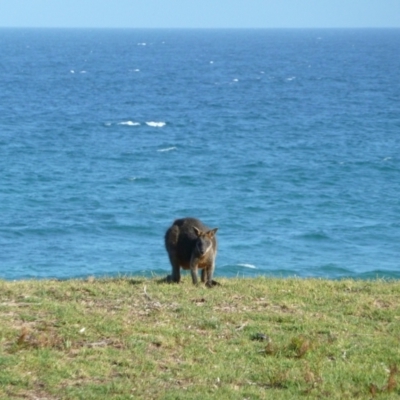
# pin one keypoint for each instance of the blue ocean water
(288, 141)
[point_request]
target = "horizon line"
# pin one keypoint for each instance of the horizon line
(201, 28)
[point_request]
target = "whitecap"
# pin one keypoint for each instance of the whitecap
(141, 44)
(129, 123)
(291, 78)
(72, 71)
(167, 149)
(247, 266)
(83, 72)
(236, 80)
(156, 124)
(387, 158)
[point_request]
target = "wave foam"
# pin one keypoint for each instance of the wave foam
(247, 266)
(167, 149)
(156, 124)
(129, 123)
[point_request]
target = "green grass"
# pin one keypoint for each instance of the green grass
(246, 339)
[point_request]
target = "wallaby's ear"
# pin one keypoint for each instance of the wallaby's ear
(212, 232)
(197, 231)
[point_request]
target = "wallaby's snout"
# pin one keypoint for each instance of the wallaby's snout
(202, 245)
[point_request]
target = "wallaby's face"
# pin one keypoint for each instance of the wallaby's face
(204, 241)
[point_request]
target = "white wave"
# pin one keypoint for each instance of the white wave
(167, 149)
(387, 158)
(83, 72)
(156, 124)
(236, 80)
(291, 78)
(129, 123)
(72, 71)
(142, 44)
(247, 266)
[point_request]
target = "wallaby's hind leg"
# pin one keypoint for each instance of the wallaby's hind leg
(176, 269)
(171, 241)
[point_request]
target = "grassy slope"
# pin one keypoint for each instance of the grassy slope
(140, 338)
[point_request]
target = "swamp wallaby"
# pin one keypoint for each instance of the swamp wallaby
(191, 245)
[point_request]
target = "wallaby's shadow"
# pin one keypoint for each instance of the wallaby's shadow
(135, 282)
(163, 280)
(168, 280)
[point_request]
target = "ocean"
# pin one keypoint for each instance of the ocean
(288, 141)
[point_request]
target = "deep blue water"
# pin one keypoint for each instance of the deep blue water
(287, 140)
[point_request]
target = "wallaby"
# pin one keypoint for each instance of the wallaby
(191, 245)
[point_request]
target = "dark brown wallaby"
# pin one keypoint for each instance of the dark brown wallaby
(191, 245)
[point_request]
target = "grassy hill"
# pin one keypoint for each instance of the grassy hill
(246, 339)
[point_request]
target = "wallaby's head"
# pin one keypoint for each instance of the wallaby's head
(204, 240)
